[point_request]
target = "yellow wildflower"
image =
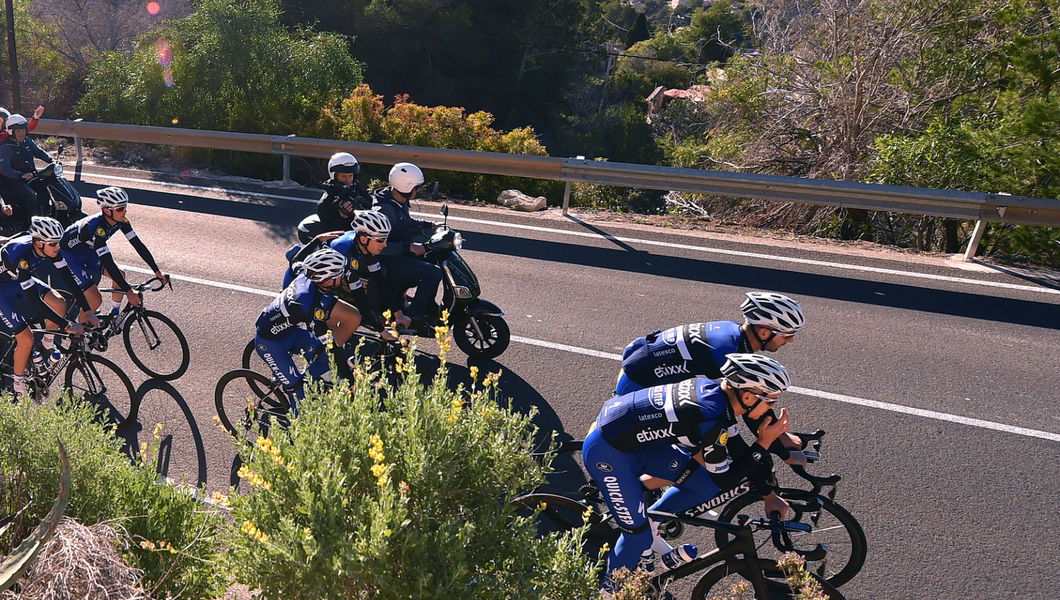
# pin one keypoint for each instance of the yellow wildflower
(474, 373)
(378, 470)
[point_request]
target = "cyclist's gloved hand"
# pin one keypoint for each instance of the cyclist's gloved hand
(75, 328)
(796, 457)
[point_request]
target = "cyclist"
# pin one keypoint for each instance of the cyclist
(285, 328)
(363, 277)
(84, 247)
(342, 196)
(662, 430)
(24, 298)
(770, 322)
(17, 167)
(401, 258)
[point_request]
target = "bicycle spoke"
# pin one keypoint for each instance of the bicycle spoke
(101, 382)
(250, 404)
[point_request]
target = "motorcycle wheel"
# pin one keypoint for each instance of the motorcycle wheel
(492, 343)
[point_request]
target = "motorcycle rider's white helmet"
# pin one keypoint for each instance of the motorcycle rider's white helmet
(343, 162)
(16, 121)
(405, 176)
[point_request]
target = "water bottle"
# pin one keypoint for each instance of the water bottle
(38, 359)
(680, 555)
(54, 357)
(647, 561)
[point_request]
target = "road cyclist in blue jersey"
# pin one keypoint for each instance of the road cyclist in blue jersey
(771, 321)
(25, 298)
(684, 432)
(84, 246)
(364, 278)
(289, 324)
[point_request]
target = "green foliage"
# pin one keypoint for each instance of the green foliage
(106, 487)
(228, 66)
(44, 77)
(639, 31)
(405, 502)
(363, 117)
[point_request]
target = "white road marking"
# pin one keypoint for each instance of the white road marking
(674, 245)
(898, 408)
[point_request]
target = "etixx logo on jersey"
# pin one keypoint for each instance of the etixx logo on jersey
(602, 466)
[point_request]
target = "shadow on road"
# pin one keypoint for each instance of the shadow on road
(177, 447)
(894, 295)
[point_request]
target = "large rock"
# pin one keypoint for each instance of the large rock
(516, 200)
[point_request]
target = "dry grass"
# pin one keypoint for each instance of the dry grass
(80, 563)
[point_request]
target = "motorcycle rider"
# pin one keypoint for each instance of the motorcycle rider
(342, 196)
(33, 120)
(17, 167)
(402, 256)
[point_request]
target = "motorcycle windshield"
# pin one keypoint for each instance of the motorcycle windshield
(462, 274)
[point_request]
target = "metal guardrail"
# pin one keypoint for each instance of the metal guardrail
(981, 207)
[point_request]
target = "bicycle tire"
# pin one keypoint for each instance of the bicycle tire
(236, 396)
(774, 588)
(148, 329)
(252, 362)
(111, 392)
(560, 514)
(841, 533)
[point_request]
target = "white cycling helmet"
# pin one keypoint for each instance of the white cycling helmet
(46, 229)
(372, 222)
(16, 121)
(755, 372)
(324, 264)
(774, 311)
(405, 176)
(4, 113)
(112, 197)
(343, 162)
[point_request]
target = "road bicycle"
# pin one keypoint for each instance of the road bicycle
(831, 525)
(154, 342)
(85, 374)
(730, 564)
(250, 402)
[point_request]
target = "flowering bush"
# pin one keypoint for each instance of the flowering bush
(409, 501)
(363, 117)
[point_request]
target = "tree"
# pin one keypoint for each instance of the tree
(639, 31)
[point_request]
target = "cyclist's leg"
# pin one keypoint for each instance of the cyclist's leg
(625, 385)
(116, 297)
(306, 344)
(344, 321)
(86, 271)
(615, 474)
(56, 303)
(692, 486)
(277, 355)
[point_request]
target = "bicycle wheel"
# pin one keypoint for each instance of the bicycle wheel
(156, 345)
(243, 411)
(833, 527)
(102, 382)
(733, 580)
(557, 514)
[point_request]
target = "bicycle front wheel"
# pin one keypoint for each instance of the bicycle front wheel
(103, 383)
(833, 527)
(735, 580)
(156, 345)
(557, 514)
(249, 404)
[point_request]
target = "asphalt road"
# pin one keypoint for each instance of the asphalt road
(937, 385)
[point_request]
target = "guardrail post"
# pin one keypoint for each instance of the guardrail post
(287, 169)
(973, 244)
(566, 192)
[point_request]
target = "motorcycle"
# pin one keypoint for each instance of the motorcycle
(56, 196)
(478, 325)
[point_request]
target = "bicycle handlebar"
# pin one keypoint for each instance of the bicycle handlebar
(153, 284)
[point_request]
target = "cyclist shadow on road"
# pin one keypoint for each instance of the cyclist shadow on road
(164, 421)
(518, 394)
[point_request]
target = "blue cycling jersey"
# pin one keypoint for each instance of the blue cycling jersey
(690, 413)
(299, 305)
(694, 350)
(88, 236)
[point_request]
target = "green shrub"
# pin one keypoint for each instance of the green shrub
(405, 502)
(170, 537)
